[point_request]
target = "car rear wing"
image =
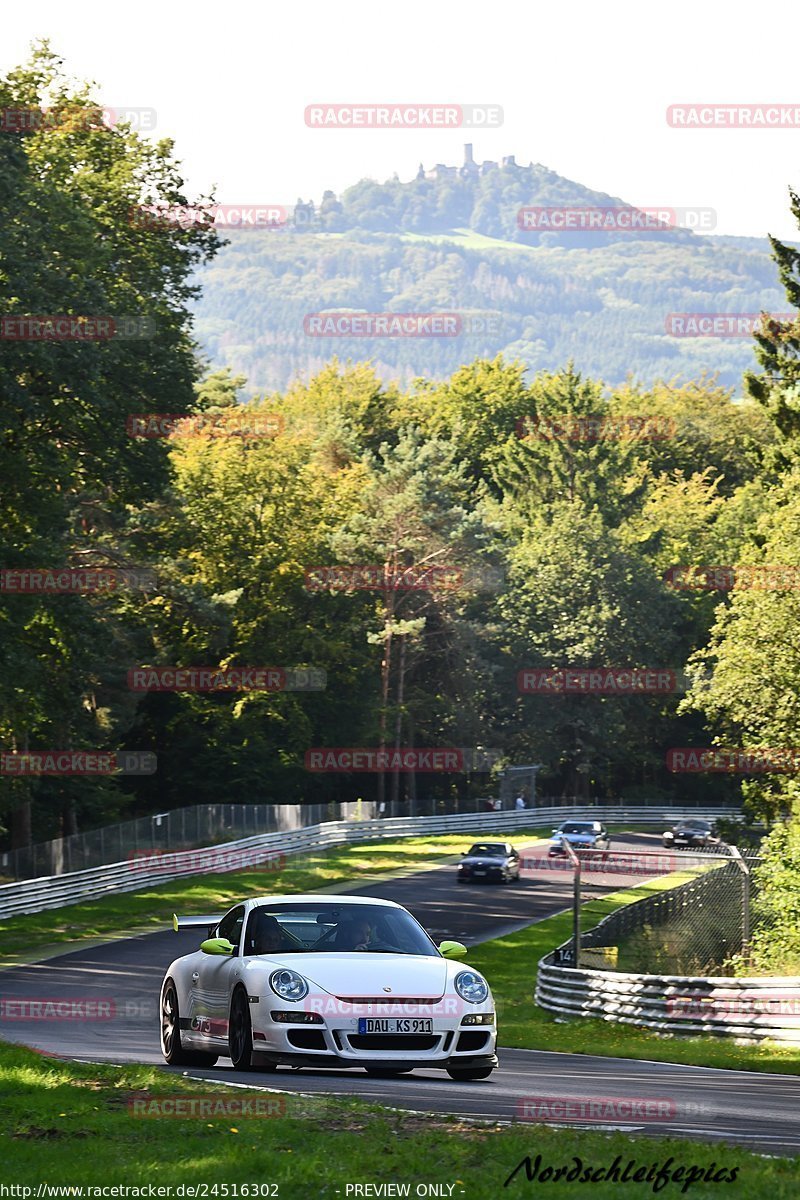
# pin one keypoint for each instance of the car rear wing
(208, 923)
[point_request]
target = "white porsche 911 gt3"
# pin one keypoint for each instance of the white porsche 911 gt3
(326, 981)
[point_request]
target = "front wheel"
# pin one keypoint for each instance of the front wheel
(171, 1047)
(468, 1073)
(240, 1033)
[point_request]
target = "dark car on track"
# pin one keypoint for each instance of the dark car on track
(581, 835)
(692, 832)
(490, 862)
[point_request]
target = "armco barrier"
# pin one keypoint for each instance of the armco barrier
(56, 891)
(753, 1009)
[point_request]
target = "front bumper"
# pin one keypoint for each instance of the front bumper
(336, 1042)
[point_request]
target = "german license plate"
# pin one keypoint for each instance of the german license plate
(480, 872)
(395, 1025)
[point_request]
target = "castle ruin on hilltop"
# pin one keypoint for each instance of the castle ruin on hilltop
(468, 169)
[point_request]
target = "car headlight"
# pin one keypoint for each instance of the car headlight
(471, 987)
(288, 984)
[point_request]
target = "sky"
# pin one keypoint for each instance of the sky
(584, 89)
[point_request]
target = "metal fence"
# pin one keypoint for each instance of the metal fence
(708, 920)
(209, 824)
(697, 928)
(180, 829)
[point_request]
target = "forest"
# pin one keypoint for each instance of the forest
(392, 557)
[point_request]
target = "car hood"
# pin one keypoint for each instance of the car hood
(490, 860)
(574, 838)
(362, 973)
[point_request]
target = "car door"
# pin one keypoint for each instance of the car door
(212, 981)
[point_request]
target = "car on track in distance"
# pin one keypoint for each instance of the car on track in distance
(489, 862)
(693, 832)
(581, 835)
(326, 981)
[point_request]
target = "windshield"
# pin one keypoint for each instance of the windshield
(485, 848)
(694, 825)
(331, 929)
(576, 827)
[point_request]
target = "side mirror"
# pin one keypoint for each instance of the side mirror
(464, 853)
(216, 946)
(452, 950)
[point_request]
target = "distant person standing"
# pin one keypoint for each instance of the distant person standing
(519, 803)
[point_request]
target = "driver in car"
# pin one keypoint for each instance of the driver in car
(355, 935)
(267, 936)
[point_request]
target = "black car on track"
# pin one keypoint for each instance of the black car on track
(693, 832)
(489, 862)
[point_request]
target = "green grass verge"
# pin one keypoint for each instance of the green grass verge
(152, 908)
(72, 1124)
(510, 964)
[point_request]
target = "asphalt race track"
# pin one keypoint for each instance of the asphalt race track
(759, 1111)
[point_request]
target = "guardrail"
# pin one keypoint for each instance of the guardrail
(726, 1007)
(57, 891)
(753, 1009)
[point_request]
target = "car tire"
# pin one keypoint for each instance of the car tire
(240, 1032)
(171, 1048)
(469, 1073)
(387, 1072)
